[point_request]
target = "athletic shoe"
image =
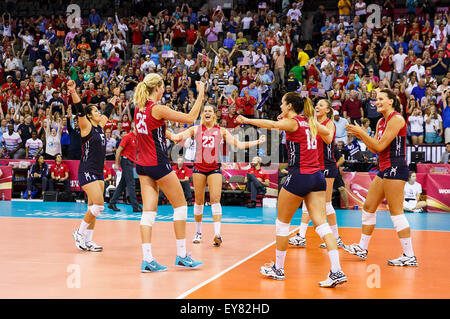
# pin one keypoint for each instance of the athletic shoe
(91, 246)
(79, 240)
(197, 238)
(217, 240)
(187, 262)
(333, 279)
(404, 261)
(33, 193)
(338, 242)
(356, 250)
(418, 210)
(269, 270)
(152, 266)
(26, 194)
(298, 241)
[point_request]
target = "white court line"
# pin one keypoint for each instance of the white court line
(183, 295)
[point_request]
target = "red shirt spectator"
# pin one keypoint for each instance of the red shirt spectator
(244, 82)
(136, 34)
(353, 107)
(59, 170)
(129, 145)
(246, 104)
(231, 120)
(191, 36)
(106, 172)
(126, 126)
(182, 172)
(258, 173)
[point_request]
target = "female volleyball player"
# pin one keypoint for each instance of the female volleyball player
(390, 143)
(154, 169)
(329, 168)
(208, 137)
(90, 170)
(304, 182)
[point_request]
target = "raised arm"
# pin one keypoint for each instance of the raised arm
(230, 139)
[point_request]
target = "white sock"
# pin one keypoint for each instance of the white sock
(147, 252)
(335, 231)
(280, 255)
(303, 228)
(198, 225)
(407, 246)
(217, 228)
(364, 242)
(334, 258)
(181, 247)
(83, 227)
(88, 234)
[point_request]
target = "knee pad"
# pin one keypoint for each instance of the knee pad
(400, 222)
(216, 209)
(330, 209)
(323, 230)
(148, 218)
(180, 213)
(368, 218)
(282, 229)
(97, 209)
(198, 210)
(90, 208)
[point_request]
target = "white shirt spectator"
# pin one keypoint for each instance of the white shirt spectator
(189, 63)
(259, 60)
(110, 146)
(11, 141)
(7, 30)
(416, 123)
(48, 93)
(399, 62)
(246, 22)
(280, 47)
(412, 191)
(147, 65)
(27, 39)
(11, 64)
(433, 125)
(360, 8)
(294, 14)
(37, 70)
(420, 71)
(33, 146)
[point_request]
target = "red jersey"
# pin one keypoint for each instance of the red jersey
(258, 173)
(106, 172)
(151, 138)
(395, 153)
(326, 151)
(182, 172)
(59, 170)
(231, 120)
(129, 144)
(302, 148)
(207, 148)
(126, 126)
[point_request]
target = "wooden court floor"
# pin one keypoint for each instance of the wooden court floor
(39, 260)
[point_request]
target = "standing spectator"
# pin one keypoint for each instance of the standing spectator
(33, 146)
(419, 91)
(446, 114)
(415, 121)
(246, 104)
(94, 18)
(399, 64)
(341, 131)
(439, 67)
(256, 181)
(433, 126)
(345, 7)
(38, 174)
(211, 34)
(111, 143)
(370, 110)
(279, 65)
(52, 139)
(59, 173)
(125, 158)
(385, 64)
(352, 108)
(191, 36)
(183, 173)
(360, 10)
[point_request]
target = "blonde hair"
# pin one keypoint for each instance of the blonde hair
(302, 105)
(202, 121)
(145, 88)
(308, 111)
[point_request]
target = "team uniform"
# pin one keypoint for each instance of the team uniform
(93, 152)
(327, 161)
(305, 175)
(208, 142)
(392, 160)
(152, 159)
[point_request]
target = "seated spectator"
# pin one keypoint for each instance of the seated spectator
(33, 146)
(413, 190)
(183, 173)
(256, 181)
(445, 158)
(59, 173)
(415, 121)
(12, 144)
(433, 126)
(38, 174)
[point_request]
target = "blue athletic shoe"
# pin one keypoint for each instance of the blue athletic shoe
(187, 262)
(25, 195)
(152, 267)
(33, 193)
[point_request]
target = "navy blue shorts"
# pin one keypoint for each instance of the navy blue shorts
(330, 171)
(303, 184)
(214, 171)
(87, 177)
(395, 172)
(154, 172)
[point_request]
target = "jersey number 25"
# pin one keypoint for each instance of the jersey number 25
(141, 127)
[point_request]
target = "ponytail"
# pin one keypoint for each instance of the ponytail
(308, 111)
(395, 99)
(145, 88)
